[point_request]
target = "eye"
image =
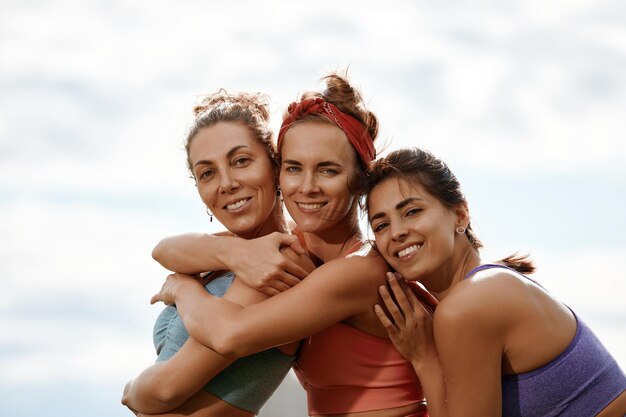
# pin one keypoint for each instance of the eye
(241, 161)
(379, 226)
(206, 174)
(413, 211)
(292, 169)
(329, 171)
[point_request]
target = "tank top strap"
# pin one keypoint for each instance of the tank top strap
(491, 266)
(358, 245)
(484, 267)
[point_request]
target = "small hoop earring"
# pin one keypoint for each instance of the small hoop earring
(460, 230)
(210, 215)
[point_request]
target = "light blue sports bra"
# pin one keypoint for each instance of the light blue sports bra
(248, 382)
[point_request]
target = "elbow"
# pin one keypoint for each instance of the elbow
(168, 397)
(157, 252)
(229, 344)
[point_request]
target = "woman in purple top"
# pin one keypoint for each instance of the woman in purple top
(483, 339)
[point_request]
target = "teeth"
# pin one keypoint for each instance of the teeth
(235, 206)
(311, 206)
(409, 250)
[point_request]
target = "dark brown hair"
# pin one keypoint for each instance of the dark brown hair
(250, 109)
(417, 165)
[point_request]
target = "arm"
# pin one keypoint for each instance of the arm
(333, 292)
(166, 385)
(457, 356)
(257, 262)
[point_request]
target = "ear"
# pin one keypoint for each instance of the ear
(462, 215)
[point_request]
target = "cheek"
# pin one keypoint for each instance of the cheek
(207, 197)
(288, 184)
(340, 190)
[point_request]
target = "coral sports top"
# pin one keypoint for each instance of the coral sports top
(345, 370)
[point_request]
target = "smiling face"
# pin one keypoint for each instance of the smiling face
(235, 178)
(318, 164)
(414, 231)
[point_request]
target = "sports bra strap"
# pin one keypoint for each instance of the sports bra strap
(491, 266)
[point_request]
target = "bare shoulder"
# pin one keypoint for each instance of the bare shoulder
(364, 270)
(482, 300)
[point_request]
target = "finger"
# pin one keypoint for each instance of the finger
(294, 273)
(297, 246)
(384, 320)
(406, 291)
(423, 294)
(291, 241)
(155, 298)
(391, 305)
(398, 293)
(271, 291)
(426, 309)
(280, 286)
(411, 296)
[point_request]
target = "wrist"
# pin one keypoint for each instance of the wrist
(424, 362)
(229, 246)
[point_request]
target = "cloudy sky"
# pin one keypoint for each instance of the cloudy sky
(524, 99)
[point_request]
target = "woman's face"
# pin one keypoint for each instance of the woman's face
(235, 179)
(414, 231)
(318, 163)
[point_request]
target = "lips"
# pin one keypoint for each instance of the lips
(236, 205)
(408, 251)
(310, 207)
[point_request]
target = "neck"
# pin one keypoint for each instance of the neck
(333, 243)
(275, 222)
(453, 272)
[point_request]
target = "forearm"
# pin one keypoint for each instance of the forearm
(431, 378)
(148, 393)
(193, 253)
(194, 305)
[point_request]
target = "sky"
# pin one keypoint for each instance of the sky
(524, 99)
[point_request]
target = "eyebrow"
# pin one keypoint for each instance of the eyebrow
(320, 164)
(229, 154)
(398, 206)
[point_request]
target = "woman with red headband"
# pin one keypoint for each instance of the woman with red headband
(346, 362)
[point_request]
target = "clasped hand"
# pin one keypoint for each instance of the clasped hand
(409, 319)
(262, 263)
(172, 283)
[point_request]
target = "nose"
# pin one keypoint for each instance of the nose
(228, 182)
(309, 184)
(398, 231)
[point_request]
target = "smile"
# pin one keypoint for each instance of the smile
(237, 204)
(310, 206)
(407, 251)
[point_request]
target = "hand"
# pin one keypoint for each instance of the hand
(172, 283)
(261, 265)
(410, 325)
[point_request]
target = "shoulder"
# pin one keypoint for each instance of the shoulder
(480, 302)
(364, 263)
(359, 272)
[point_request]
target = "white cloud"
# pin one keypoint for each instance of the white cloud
(97, 97)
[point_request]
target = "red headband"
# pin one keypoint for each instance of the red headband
(354, 130)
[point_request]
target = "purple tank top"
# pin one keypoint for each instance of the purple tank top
(581, 381)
